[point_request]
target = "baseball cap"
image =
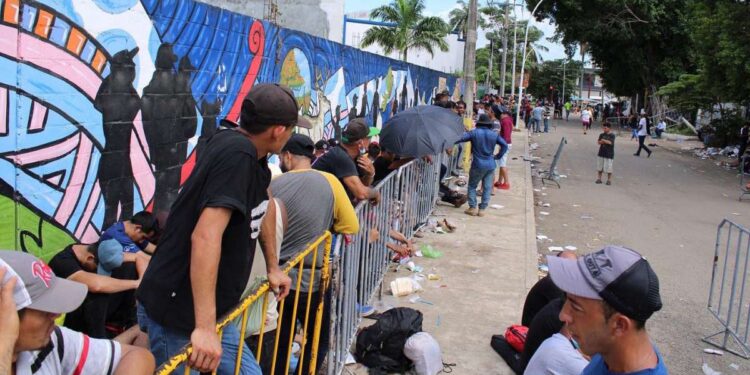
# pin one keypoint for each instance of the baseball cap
(109, 253)
(321, 145)
(37, 287)
(617, 275)
(357, 129)
(300, 144)
(271, 104)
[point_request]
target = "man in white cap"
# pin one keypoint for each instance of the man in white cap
(610, 295)
(30, 343)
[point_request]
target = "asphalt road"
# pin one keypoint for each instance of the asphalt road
(667, 207)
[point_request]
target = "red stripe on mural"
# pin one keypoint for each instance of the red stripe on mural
(256, 42)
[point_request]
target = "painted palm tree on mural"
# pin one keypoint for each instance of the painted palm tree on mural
(411, 30)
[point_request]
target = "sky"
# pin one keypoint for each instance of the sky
(441, 8)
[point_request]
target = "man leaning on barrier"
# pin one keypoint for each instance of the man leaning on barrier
(206, 252)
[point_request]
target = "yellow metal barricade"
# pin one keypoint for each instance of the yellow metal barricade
(262, 295)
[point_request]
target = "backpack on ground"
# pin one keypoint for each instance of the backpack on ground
(380, 346)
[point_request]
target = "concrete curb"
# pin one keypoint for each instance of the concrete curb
(530, 227)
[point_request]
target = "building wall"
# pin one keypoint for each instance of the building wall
(321, 18)
(105, 104)
(450, 61)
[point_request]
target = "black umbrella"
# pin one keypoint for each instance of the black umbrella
(421, 130)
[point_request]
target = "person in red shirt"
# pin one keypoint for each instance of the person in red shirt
(506, 128)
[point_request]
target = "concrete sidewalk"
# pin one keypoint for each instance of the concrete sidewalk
(488, 265)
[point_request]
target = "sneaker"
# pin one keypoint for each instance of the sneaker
(609, 182)
(598, 181)
(649, 154)
(471, 211)
(480, 213)
(498, 185)
(365, 310)
(505, 187)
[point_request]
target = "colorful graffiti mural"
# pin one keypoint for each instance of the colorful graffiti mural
(111, 99)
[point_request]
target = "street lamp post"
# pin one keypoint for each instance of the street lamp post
(523, 62)
(563, 93)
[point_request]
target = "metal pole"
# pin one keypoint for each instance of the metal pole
(523, 61)
(503, 64)
(515, 40)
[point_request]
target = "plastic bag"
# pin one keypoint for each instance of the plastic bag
(430, 252)
(424, 351)
(403, 286)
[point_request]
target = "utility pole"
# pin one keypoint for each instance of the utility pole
(563, 93)
(503, 64)
(583, 56)
(470, 49)
(515, 40)
(488, 78)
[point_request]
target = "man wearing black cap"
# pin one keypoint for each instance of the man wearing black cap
(321, 147)
(483, 141)
(206, 251)
(349, 162)
(611, 293)
(311, 202)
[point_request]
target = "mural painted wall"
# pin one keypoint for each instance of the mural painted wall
(104, 103)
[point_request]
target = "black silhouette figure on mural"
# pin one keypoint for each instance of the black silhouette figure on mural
(394, 106)
(375, 111)
(336, 120)
(353, 109)
(118, 102)
(169, 120)
(363, 107)
(210, 112)
(403, 96)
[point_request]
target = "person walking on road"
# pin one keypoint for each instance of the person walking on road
(642, 133)
(568, 107)
(537, 115)
(586, 119)
(606, 154)
(483, 140)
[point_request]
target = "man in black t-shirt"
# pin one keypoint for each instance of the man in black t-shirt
(349, 162)
(111, 277)
(606, 154)
(207, 247)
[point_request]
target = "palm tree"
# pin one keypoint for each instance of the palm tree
(458, 18)
(411, 29)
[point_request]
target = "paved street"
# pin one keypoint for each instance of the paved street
(667, 207)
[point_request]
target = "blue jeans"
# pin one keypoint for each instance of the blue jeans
(166, 342)
(486, 176)
(535, 124)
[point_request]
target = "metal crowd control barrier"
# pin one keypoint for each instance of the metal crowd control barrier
(552, 173)
(408, 196)
(728, 299)
(262, 295)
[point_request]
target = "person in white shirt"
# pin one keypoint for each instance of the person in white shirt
(31, 343)
(586, 119)
(660, 128)
(642, 133)
(558, 355)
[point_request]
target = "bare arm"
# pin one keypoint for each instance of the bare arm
(360, 191)
(204, 264)
(103, 284)
(134, 360)
(150, 249)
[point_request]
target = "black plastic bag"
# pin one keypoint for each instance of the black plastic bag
(381, 345)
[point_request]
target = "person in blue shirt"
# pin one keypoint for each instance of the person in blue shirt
(483, 141)
(610, 294)
(536, 115)
(134, 234)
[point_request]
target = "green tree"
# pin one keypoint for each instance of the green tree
(550, 74)
(412, 29)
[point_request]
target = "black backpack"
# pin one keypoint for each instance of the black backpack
(380, 346)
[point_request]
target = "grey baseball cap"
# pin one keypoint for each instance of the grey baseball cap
(618, 275)
(37, 287)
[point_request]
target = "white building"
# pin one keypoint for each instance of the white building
(449, 62)
(593, 87)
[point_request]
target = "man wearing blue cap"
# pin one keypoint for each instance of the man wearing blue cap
(610, 294)
(111, 277)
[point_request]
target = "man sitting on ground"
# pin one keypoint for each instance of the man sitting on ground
(38, 346)
(610, 294)
(110, 275)
(134, 234)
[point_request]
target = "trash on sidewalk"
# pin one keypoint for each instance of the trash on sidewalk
(433, 277)
(537, 190)
(476, 270)
(734, 366)
(403, 286)
(586, 217)
(430, 252)
(413, 267)
(708, 370)
(546, 205)
(571, 248)
(496, 206)
(541, 237)
(555, 249)
(713, 351)
(424, 351)
(543, 213)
